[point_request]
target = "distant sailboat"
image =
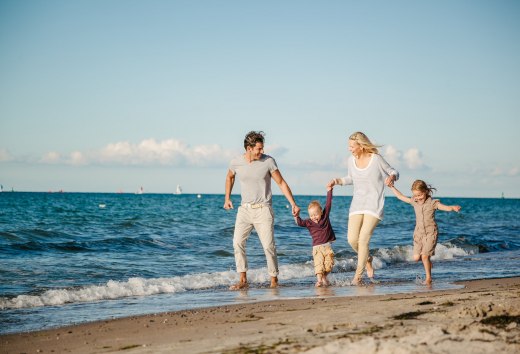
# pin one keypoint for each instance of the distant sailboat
(140, 191)
(179, 189)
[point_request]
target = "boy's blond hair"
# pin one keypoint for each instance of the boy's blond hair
(314, 204)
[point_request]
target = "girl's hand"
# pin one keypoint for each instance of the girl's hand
(390, 181)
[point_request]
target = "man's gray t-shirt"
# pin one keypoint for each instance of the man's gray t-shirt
(255, 178)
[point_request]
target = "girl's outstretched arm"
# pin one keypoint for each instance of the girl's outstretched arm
(448, 207)
(400, 195)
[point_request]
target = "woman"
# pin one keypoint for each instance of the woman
(368, 172)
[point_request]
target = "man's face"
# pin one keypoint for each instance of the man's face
(256, 151)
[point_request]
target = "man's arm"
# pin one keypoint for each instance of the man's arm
(230, 181)
(284, 187)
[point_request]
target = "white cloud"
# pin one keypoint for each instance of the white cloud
(497, 171)
(170, 152)
(276, 150)
(500, 172)
(5, 155)
(77, 158)
(393, 156)
(51, 158)
(413, 159)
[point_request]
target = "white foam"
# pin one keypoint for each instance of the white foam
(145, 287)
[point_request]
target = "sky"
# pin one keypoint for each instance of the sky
(112, 95)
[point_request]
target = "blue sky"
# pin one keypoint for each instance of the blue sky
(107, 96)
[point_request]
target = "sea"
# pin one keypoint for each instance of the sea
(70, 258)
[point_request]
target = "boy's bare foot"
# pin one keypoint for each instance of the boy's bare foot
(239, 286)
(274, 282)
(319, 284)
(428, 281)
(370, 269)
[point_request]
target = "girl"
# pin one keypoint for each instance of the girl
(425, 233)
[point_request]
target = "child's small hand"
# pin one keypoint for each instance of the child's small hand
(389, 181)
(456, 208)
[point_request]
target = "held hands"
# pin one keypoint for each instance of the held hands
(331, 184)
(389, 182)
(295, 210)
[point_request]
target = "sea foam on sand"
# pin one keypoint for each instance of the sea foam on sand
(482, 317)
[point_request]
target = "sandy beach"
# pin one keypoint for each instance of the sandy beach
(482, 317)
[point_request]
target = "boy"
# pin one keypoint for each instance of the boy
(322, 234)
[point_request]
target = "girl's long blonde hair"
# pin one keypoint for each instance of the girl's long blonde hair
(365, 143)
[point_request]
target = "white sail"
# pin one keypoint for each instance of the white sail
(179, 189)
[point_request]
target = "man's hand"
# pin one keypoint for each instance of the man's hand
(228, 204)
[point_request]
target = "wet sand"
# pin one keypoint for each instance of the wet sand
(482, 317)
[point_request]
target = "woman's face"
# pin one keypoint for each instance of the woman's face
(354, 148)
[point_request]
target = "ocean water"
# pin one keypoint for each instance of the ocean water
(68, 258)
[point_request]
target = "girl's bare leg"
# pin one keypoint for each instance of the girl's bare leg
(427, 269)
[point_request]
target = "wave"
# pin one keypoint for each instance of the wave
(137, 286)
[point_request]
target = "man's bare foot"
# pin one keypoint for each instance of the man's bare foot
(319, 284)
(274, 282)
(239, 286)
(370, 269)
(326, 282)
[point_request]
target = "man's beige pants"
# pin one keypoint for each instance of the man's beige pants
(262, 219)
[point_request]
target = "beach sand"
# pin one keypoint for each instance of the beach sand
(482, 317)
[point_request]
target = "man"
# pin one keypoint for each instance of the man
(255, 170)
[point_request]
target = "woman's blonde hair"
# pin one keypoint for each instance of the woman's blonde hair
(421, 186)
(364, 142)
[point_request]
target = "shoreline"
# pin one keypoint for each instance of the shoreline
(481, 317)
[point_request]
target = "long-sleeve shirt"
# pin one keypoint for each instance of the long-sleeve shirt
(369, 185)
(321, 232)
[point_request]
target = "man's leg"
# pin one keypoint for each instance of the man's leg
(264, 226)
(243, 227)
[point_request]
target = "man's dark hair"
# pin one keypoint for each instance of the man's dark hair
(252, 138)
